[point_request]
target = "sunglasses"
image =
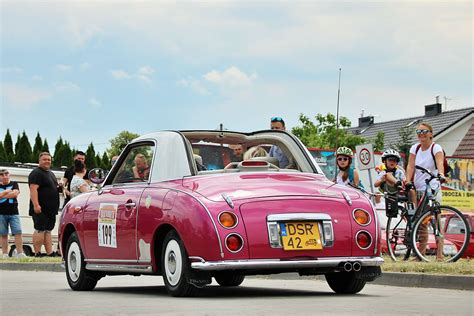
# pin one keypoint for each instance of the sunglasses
(276, 119)
(422, 131)
(342, 159)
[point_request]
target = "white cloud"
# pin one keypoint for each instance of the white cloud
(61, 67)
(146, 71)
(66, 86)
(94, 102)
(21, 96)
(85, 66)
(15, 70)
(232, 76)
(194, 85)
(120, 74)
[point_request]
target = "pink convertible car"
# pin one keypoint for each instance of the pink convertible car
(181, 205)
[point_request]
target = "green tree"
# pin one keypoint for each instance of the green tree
(405, 142)
(90, 157)
(324, 133)
(23, 150)
(17, 146)
(37, 147)
(105, 161)
(58, 153)
(45, 147)
(118, 143)
(98, 161)
(8, 145)
(3, 153)
(379, 141)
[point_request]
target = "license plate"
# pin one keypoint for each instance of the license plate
(300, 236)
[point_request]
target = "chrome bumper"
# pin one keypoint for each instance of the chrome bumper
(281, 264)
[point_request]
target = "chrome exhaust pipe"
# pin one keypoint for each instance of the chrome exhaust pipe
(348, 267)
(357, 266)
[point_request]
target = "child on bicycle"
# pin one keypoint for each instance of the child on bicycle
(390, 174)
(346, 175)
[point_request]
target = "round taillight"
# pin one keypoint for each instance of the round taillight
(234, 242)
(364, 240)
(362, 217)
(228, 219)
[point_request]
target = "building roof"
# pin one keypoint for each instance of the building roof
(440, 123)
(466, 146)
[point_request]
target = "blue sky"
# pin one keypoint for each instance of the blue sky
(86, 70)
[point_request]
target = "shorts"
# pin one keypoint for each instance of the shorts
(10, 220)
(44, 222)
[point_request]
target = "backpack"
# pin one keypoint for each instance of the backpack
(447, 167)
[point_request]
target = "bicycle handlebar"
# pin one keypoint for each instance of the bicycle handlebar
(432, 176)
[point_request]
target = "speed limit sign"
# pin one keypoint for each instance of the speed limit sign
(365, 156)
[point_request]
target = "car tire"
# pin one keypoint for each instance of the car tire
(344, 282)
(78, 277)
(176, 266)
(229, 279)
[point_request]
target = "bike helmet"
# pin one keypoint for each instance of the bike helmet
(344, 151)
(391, 153)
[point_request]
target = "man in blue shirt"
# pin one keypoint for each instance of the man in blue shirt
(277, 123)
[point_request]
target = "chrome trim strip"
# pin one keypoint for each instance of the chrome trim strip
(347, 197)
(112, 260)
(120, 268)
(330, 262)
(298, 217)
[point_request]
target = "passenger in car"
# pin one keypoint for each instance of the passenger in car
(255, 151)
(277, 123)
(141, 170)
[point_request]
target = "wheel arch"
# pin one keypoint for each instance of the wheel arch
(158, 238)
(67, 232)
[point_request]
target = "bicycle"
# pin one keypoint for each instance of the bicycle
(423, 229)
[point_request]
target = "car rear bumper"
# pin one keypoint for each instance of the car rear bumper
(262, 264)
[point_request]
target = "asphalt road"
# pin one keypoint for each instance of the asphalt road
(47, 293)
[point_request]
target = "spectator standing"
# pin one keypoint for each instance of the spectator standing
(44, 204)
(69, 174)
(430, 156)
(78, 184)
(9, 216)
(277, 123)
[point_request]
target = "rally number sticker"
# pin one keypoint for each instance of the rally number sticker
(107, 234)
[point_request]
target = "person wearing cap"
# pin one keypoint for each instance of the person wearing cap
(346, 174)
(277, 123)
(9, 216)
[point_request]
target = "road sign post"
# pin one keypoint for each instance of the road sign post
(366, 160)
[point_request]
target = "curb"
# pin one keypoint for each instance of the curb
(450, 282)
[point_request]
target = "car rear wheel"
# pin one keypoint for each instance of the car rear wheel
(344, 282)
(176, 266)
(78, 277)
(229, 279)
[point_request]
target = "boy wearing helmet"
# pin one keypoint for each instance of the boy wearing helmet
(346, 174)
(390, 174)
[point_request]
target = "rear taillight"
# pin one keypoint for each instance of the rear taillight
(228, 219)
(362, 217)
(363, 239)
(234, 242)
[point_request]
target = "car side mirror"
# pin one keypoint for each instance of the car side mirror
(97, 175)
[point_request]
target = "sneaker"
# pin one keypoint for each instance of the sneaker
(20, 255)
(5, 256)
(39, 255)
(53, 254)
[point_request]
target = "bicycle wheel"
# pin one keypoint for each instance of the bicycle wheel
(395, 234)
(441, 234)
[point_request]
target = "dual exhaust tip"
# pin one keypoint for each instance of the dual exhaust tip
(352, 266)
